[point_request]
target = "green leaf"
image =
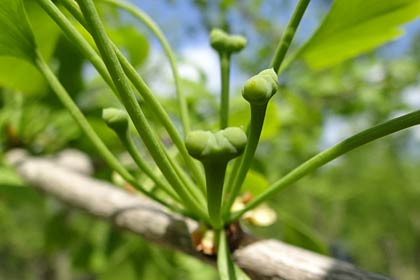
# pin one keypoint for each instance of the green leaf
(354, 27)
(16, 37)
(16, 73)
(225, 265)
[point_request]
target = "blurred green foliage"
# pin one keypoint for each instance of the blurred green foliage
(361, 208)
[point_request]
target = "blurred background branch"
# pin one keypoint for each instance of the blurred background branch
(66, 177)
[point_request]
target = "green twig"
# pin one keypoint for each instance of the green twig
(142, 89)
(254, 133)
(224, 98)
(143, 17)
(288, 34)
(64, 97)
(258, 91)
(332, 153)
(128, 98)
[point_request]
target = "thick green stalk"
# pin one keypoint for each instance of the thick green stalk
(224, 97)
(288, 34)
(215, 177)
(332, 153)
(154, 28)
(133, 108)
(145, 93)
(254, 133)
(91, 134)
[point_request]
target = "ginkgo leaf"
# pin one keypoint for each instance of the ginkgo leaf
(357, 26)
(16, 37)
(21, 75)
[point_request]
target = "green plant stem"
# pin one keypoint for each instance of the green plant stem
(224, 98)
(78, 116)
(143, 166)
(332, 153)
(215, 177)
(141, 87)
(288, 34)
(151, 101)
(154, 28)
(225, 265)
(254, 133)
(133, 108)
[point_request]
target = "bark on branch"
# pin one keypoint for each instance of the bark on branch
(61, 178)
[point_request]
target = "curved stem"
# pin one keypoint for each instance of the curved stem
(133, 108)
(254, 133)
(224, 98)
(332, 153)
(288, 34)
(142, 89)
(78, 116)
(154, 28)
(151, 101)
(95, 59)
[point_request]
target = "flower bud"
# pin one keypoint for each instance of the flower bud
(261, 87)
(116, 119)
(221, 145)
(223, 42)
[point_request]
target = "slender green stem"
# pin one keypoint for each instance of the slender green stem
(290, 59)
(142, 89)
(143, 17)
(143, 166)
(254, 133)
(133, 108)
(215, 177)
(78, 116)
(288, 34)
(225, 265)
(224, 98)
(332, 153)
(151, 101)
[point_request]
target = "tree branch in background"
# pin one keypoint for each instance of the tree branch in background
(62, 178)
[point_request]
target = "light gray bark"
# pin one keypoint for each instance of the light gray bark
(261, 259)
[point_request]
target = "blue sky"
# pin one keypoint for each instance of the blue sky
(181, 22)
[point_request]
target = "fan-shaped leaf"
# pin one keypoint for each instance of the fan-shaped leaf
(16, 37)
(354, 27)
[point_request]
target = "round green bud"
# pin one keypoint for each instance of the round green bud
(260, 88)
(223, 42)
(222, 145)
(116, 119)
